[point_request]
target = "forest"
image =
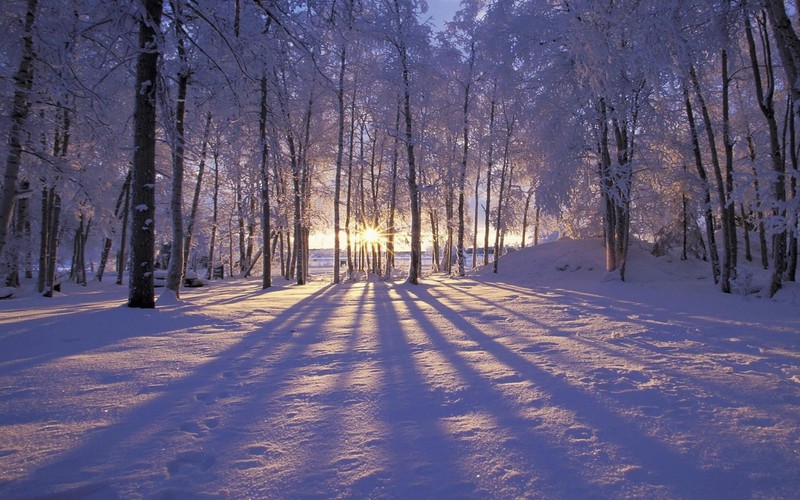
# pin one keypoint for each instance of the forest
(191, 134)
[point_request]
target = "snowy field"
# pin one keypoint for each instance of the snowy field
(543, 381)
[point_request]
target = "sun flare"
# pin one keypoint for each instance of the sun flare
(371, 235)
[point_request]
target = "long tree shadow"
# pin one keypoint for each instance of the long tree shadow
(545, 471)
(102, 461)
(660, 465)
(341, 395)
(715, 374)
(686, 339)
(423, 460)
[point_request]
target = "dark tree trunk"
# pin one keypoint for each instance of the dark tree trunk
(393, 197)
(415, 269)
(242, 236)
(462, 174)
(789, 48)
(500, 197)
(51, 266)
(44, 242)
(201, 168)
(487, 214)
(215, 214)
(108, 242)
(23, 81)
(266, 227)
(337, 190)
(176, 267)
(475, 215)
(122, 260)
(141, 291)
(528, 197)
(727, 264)
(708, 213)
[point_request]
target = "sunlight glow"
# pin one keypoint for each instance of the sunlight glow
(371, 236)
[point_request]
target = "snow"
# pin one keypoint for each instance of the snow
(542, 381)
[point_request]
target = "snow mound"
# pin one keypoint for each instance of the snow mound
(580, 265)
(556, 258)
(585, 259)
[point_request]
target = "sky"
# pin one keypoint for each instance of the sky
(441, 11)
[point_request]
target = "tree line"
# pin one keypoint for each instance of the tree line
(232, 131)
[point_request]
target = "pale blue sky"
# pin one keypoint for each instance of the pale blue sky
(441, 10)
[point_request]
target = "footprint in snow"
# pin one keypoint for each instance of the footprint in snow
(205, 397)
(579, 434)
(190, 461)
(192, 428)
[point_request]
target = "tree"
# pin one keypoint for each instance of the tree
(402, 27)
(789, 49)
(266, 227)
(23, 81)
(187, 245)
(176, 268)
(141, 288)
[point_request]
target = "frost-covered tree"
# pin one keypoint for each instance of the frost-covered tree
(141, 286)
(23, 82)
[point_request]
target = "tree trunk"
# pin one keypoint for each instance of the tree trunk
(108, 242)
(393, 196)
(298, 213)
(22, 238)
(23, 81)
(141, 291)
(449, 216)
(78, 270)
(501, 194)
(607, 185)
(726, 271)
(528, 197)
(789, 48)
(44, 239)
(415, 269)
(792, 255)
(435, 262)
(337, 189)
(215, 213)
(374, 182)
(187, 245)
(701, 172)
(266, 222)
(176, 266)
(762, 230)
(475, 215)
(462, 174)
(490, 166)
(746, 216)
(122, 260)
(230, 246)
(51, 266)
(60, 147)
(349, 195)
(240, 220)
(727, 140)
(251, 234)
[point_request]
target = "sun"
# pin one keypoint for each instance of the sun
(371, 235)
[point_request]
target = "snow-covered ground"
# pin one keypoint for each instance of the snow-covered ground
(544, 380)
